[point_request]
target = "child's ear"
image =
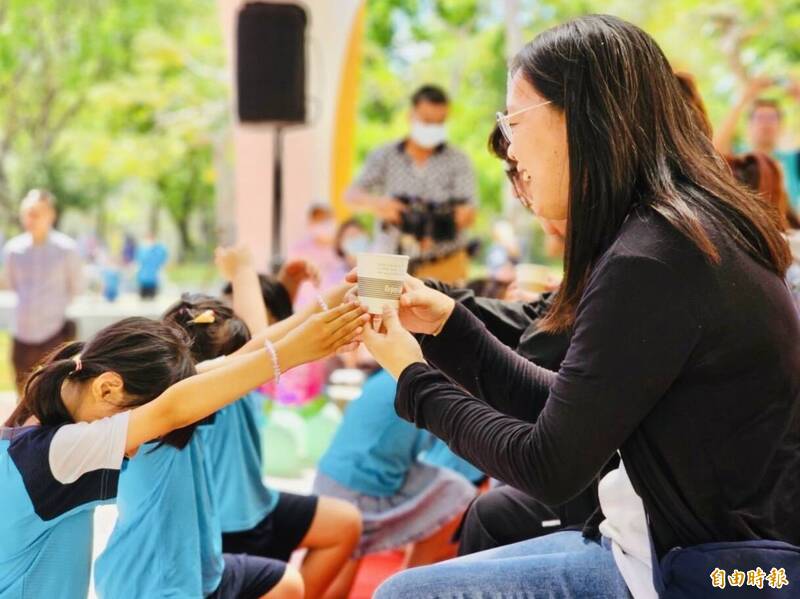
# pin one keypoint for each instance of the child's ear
(108, 387)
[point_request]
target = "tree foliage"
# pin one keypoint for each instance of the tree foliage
(460, 44)
(111, 104)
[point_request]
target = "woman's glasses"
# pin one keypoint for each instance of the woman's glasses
(503, 119)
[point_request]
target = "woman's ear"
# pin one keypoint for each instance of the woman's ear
(108, 387)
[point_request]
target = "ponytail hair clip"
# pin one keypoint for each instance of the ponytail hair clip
(206, 317)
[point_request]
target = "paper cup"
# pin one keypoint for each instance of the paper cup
(380, 280)
(533, 277)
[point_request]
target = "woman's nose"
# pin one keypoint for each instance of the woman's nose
(510, 152)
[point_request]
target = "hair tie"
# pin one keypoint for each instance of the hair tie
(78, 364)
(206, 317)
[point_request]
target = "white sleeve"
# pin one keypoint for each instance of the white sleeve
(88, 446)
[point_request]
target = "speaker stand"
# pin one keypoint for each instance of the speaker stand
(277, 199)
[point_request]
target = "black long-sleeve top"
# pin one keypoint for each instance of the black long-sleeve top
(690, 369)
(515, 324)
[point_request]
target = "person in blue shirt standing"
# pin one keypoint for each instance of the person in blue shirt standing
(765, 129)
(151, 256)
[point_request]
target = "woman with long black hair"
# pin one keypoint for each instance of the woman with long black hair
(685, 347)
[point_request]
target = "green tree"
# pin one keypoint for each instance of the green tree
(111, 98)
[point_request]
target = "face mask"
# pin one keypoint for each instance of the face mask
(322, 231)
(355, 245)
(426, 135)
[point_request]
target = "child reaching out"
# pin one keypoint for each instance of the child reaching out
(255, 519)
(93, 403)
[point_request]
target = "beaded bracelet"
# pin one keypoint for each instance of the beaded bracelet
(322, 303)
(274, 355)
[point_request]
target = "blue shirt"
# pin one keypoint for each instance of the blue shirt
(790, 162)
(51, 478)
(233, 449)
(439, 454)
(167, 541)
(151, 257)
(373, 448)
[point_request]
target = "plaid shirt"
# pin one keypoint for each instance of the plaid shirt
(45, 277)
(389, 170)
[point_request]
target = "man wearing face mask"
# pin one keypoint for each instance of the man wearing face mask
(422, 167)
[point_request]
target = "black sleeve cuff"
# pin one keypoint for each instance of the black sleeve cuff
(404, 402)
(459, 326)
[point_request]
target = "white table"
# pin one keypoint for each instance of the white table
(91, 312)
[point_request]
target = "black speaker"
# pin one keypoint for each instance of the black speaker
(271, 63)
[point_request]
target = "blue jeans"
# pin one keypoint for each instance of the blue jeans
(562, 565)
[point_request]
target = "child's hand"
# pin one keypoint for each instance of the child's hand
(230, 260)
(395, 349)
(324, 333)
(344, 292)
(294, 272)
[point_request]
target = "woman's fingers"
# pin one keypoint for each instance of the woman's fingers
(371, 338)
(414, 298)
(390, 320)
(352, 276)
(413, 283)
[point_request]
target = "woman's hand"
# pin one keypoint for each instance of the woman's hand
(396, 349)
(422, 309)
(322, 334)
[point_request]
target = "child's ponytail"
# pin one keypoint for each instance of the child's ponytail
(42, 393)
(211, 325)
(149, 356)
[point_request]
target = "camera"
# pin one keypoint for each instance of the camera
(424, 219)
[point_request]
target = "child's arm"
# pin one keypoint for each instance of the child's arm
(333, 297)
(273, 333)
(278, 330)
(236, 265)
(196, 397)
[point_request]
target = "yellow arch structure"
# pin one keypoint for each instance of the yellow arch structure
(344, 135)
